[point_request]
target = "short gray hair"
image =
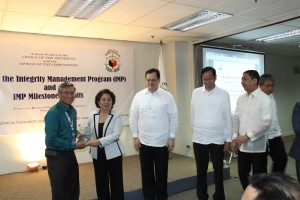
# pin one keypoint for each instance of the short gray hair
(266, 77)
(65, 84)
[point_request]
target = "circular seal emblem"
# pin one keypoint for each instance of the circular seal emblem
(112, 60)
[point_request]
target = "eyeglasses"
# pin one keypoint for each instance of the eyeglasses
(68, 93)
(152, 80)
(208, 80)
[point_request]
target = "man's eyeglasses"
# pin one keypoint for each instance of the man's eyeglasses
(152, 80)
(208, 80)
(68, 93)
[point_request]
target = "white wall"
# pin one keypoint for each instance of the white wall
(182, 63)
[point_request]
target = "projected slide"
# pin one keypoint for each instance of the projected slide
(230, 65)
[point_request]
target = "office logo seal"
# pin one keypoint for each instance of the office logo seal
(112, 60)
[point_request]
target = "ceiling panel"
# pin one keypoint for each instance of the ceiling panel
(97, 29)
(23, 22)
(225, 25)
(40, 7)
(163, 33)
(62, 26)
(289, 41)
(1, 14)
(277, 8)
(2, 4)
(135, 9)
(200, 3)
(128, 32)
(293, 23)
(166, 36)
(236, 7)
(165, 15)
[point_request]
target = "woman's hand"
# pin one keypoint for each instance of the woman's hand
(93, 143)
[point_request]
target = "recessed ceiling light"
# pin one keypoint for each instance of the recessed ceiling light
(198, 19)
(84, 9)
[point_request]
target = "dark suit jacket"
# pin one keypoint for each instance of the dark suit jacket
(295, 148)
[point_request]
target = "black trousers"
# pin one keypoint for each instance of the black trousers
(216, 153)
(108, 177)
(298, 169)
(258, 161)
(278, 154)
(154, 169)
(64, 176)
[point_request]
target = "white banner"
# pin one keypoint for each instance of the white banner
(32, 70)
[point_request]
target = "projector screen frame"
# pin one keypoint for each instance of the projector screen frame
(199, 64)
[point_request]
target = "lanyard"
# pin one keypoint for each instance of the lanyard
(70, 119)
(72, 127)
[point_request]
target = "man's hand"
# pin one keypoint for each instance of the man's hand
(233, 146)
(171, 144)
(226, 146)
(136, 143)
(80, 145)
(241, 139)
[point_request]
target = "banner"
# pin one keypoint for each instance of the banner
(32, 70)
(162, 69)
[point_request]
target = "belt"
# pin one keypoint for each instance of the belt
(66, 152)
(63, 152)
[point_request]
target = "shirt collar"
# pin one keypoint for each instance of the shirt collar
(159, 90)
(254, 93)
(204, 90)
(64, 108)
